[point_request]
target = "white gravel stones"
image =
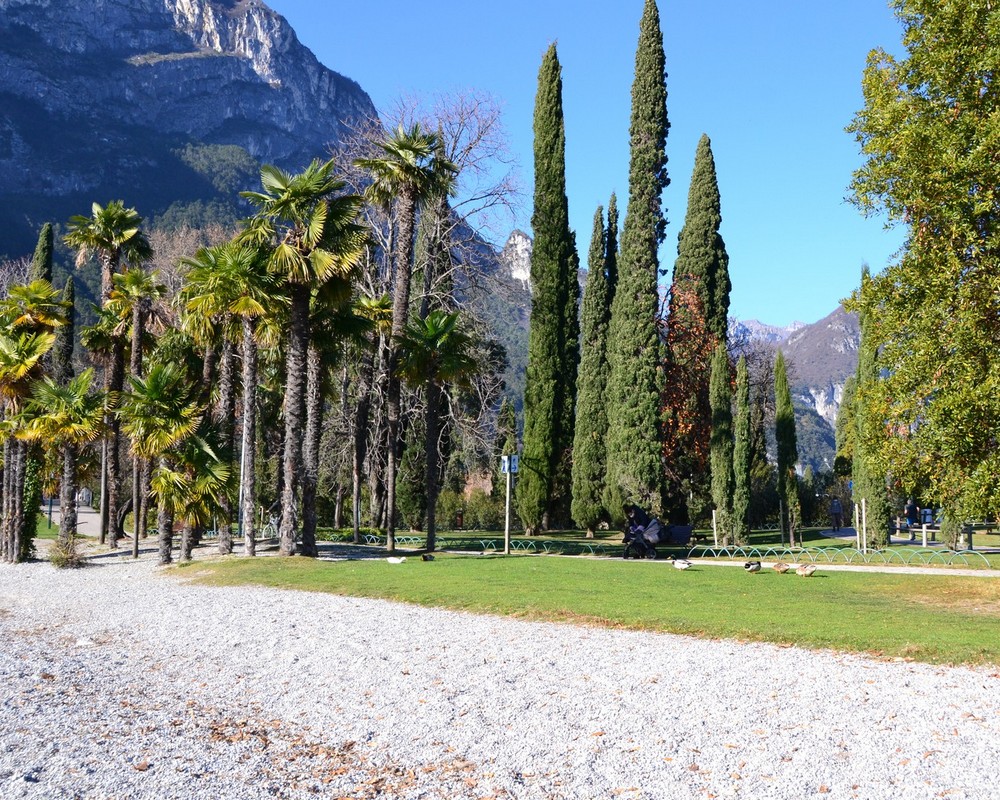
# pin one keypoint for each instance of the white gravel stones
(119, 682)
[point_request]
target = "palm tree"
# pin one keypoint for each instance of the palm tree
(21, 355)
(434, 352)
(410, 170)
(232, 280)
(68, 416)
(134, 301)
(159, 412)
(114, 234)
(313, 237)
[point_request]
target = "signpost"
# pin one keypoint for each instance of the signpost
(508, 466)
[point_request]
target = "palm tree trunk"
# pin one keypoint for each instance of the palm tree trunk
(187, 540)
(16, 520)
(67, 499)
(116, 378)
(432, 467)
(249, 462)
(164, 526)
(224, 414)
(144, 479)
(135, 369)
(362, 411)
(310, 448)
(295, 385)
(405, 215)
(103, 502)
(6, 531)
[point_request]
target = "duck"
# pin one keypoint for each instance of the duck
(681, 563)
(805, 570)
(426, 557)
(396, 559)
(752, 567)
(781, 567)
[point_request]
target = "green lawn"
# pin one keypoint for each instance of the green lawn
(933, 618)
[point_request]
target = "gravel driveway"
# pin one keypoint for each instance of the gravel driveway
(119, 681)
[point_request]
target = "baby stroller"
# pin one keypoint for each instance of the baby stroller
(640, 541)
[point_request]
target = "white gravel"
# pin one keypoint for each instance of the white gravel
(118, 682)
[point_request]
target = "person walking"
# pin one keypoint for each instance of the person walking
(836, 514)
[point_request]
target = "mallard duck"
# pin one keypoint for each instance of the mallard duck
(805, 570)
(426, 557)
(396, 559)
(752, 567)
(681, 563)
(781, 567)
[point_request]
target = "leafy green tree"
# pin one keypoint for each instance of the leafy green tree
(635, 381)
(589, 454)
(543, 491)
(741, 456)
(784, 433)
(928, 132)
(410, 171)
(722, 443)
(504, 444)
(869, 467)
(434, 352)
(845, 429)
(313, 238)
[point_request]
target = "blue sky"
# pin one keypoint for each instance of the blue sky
(773, 84)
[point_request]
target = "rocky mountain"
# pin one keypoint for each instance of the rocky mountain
(516, 257)
(155, 102)
(761, 331)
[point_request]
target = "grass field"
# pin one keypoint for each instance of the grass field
(934, 618)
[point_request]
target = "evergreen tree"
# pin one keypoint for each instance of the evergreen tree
(869, 476)
(845, 429)
(41, 262)
(699, 307)
(551, 372)
(784, 433)
(741, 456)
(62, 350)
(635, 379)
(722, 443)
(589, 454)
(611, 252)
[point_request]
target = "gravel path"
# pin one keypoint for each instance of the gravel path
(118, 681)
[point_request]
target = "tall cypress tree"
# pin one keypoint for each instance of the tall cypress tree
(698, 310)
(41, 262)
(505, 444)
(741, 455)
(702, 260)
(589, 454)
(869, 479)
(722, 442)
(636, 380)
(543, 490)
(62, 350)
(784, 432)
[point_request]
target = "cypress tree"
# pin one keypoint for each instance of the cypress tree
(869, 479)
(741, 456)
(41, 262)
(611, 251)
(543, 490)
(722, 442)
(784, 433)
(505, 444)
(635, 381)
(702, 260)
(699, 308)
(62, 350)
(589, 454)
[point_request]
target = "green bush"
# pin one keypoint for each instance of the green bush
(450, 502)
(483, 512)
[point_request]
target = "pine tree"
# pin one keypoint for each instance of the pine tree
(699, 305)
(784, 432)
(741, 456)
(589, 454)
(635, 380)
(543, 490)
(869, 478)
(722, 443)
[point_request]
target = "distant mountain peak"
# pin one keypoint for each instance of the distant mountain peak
(516, 256)
(754, 330)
